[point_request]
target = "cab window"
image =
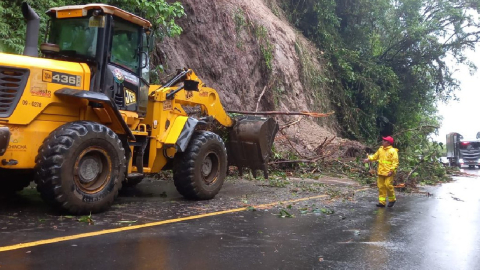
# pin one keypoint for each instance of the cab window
(125, 46)
(74, 35)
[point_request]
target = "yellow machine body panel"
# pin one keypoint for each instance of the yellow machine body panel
(172, 136)
(25, 141)
(207, 98)
(38, 111)
(46, 77)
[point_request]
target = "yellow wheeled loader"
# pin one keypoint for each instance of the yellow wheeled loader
(82, 119)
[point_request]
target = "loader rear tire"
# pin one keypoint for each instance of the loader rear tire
(80, 167)
(12, 181)
(200, 171)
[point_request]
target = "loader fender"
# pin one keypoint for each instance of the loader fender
(181, 132)
(101, 99)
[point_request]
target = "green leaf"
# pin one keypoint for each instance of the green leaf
(86, 219)
(284, 214)
(327, 211)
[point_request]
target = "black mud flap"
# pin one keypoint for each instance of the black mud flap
(250, 143)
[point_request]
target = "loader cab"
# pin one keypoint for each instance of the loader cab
(114, 44)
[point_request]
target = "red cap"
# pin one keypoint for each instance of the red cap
(388, 139)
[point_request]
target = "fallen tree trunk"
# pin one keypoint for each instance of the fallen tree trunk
(312, 114)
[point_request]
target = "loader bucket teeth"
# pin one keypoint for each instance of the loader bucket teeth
(250, 143)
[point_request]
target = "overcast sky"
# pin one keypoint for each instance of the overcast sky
(463, 116)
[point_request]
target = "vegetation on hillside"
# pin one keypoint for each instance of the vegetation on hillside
(388, 65)
(388, 59)
(12, 27)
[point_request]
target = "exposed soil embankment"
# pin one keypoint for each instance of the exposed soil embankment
(255, 59)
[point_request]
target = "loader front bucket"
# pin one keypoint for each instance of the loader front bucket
(250, 143)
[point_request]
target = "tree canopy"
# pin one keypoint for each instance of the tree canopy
(388, 59)
(12, 29)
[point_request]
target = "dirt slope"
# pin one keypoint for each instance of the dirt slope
(243, 47)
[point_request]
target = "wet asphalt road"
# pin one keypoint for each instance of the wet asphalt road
(441, 231)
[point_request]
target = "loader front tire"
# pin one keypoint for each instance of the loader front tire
(200, 171)
(80, 167)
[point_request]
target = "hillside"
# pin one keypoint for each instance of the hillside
(243, 47)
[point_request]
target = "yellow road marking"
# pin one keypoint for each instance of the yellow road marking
(146, 225)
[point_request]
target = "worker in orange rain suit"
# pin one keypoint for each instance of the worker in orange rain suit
(387, 157)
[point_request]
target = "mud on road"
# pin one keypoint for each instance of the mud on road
(25, 217)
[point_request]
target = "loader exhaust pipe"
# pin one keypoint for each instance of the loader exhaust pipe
(33, 28)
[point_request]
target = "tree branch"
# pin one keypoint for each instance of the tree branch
(312, 114)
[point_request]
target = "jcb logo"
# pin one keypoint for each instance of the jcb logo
(47, 76)
(130, 97)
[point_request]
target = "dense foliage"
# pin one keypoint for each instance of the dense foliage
(389, 65)
(12, 25)
(388, 58)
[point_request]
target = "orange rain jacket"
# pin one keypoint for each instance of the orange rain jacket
(387, 160)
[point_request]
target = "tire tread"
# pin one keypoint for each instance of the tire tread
(184, 167)
(53, 153)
